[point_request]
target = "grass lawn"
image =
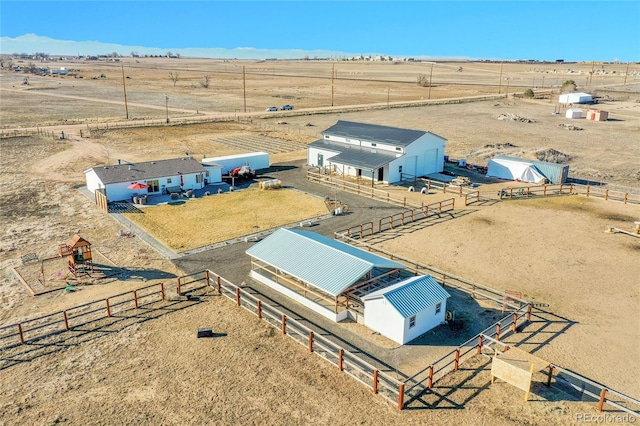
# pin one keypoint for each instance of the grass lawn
(220, 217)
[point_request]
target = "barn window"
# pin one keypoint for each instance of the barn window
(412, 321)
(398, 148)
(373, 144)
(438, 308)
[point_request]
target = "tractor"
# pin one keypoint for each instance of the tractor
(245, 172)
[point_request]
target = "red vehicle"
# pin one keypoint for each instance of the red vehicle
(245, 172)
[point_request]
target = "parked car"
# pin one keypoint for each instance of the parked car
(286, 107)
(272, 109)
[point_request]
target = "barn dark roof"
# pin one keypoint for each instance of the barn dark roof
(130, 172)
(354, 155)
(374, 132)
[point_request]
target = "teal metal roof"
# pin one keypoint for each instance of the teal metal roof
(412, 295)
(324, 263)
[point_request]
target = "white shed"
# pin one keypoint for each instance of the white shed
(406, 310)
(575, 98)
(574, 113)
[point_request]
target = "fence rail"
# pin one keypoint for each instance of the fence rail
(360, 370)
(31, 330)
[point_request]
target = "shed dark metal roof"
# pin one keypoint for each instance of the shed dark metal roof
(374, 132)
(356, 156)
(129, 172)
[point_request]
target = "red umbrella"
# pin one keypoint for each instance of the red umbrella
(138, 186)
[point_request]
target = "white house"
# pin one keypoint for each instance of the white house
(183, 173)
(406, 310)
(380, 153)
(575, 98)
(573, 113)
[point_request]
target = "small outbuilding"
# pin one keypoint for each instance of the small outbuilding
(597, 115)
(406, 310)
(573, 113)
(524, 170)
(575, 98)
(255, 160)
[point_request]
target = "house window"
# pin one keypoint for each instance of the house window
(438, 307)
(412, 321)
(198, 178)
(400, 169)
(168, 180)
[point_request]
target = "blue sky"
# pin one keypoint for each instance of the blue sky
(572, 30)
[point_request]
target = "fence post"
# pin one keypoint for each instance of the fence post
(603, 393)
(588, 188)
(544, 191)
(310, 341)
(284, 324)
(66, 320)
(401, 397)
(238, 296)
(473, 291)
(498, 331)
(430, 382)
(626, 195)
(514, 326)
(135, 298)
(560, 193)
(108, 308)
(375, 381)
(549, 376)
(457, 362)
(460, 192)
(340, 356)
(440, 207)
(606, 194)
(571, 189)
(529, 312)
(453, 203)
(402, 219)
(259, 309)
(218, 284)
(206, 276)
(404, 203)
(371, 228)
(162, 290)
(465, 200)
(479, 344)
(21, 334)
(179, 292)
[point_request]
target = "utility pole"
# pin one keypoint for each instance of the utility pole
(430, 78)
(244, 89)
(626, 73)
(500, 83)
(333, 73)
(387, 96)
(166, 104)
(124, 88)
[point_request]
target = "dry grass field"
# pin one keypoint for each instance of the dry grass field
(199, 222)
(554, 250)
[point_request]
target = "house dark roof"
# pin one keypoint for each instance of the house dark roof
(374, 132)
(356, 156)
(130, 172)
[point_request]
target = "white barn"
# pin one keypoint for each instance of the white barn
(380, 153)
(575, 98)
(256, 160)
(185, 173)
(406, 310)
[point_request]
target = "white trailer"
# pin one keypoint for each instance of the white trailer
(256, 160)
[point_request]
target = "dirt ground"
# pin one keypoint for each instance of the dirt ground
(553, 250)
